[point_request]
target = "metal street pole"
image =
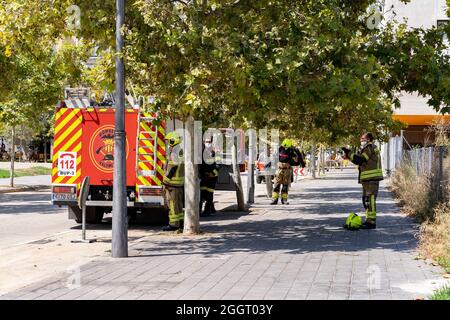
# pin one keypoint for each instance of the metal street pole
(119, 220)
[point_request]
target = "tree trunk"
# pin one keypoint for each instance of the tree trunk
(191, 182)
(269, 186)
(251, 169)
(13, 135)
(24, 151)
(237, 179)
(45, 151)
(313, 159)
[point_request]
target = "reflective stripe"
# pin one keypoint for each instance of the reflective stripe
(284, 196)
(215, 172)
(365, 156)
(176, 179)
(371, 174)
(176, 217)
(275, 195)
(207, 189)
(351, 156)
(372, 213)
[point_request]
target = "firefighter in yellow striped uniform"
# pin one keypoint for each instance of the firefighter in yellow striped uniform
(173, 182)
(370, 175)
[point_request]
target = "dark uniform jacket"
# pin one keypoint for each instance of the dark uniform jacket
(369, 163)
(209, 169)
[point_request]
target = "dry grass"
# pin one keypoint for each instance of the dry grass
(435, 236)
(414, 193)
(418, 197)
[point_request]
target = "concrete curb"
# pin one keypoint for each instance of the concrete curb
(22, 189)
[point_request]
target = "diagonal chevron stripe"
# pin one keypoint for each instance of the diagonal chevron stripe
(70, 115)
(59, 114)
(67, 132)
(72, 140)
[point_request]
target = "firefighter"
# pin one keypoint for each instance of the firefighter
(173, 182)
(286, 156)
(370, 174)
(209, 172)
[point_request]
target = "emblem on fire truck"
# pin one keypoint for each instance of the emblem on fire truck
(101, 148)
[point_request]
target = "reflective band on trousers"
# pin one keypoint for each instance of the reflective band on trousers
(176, 217)
(284, 196)
(275, 195)
(371, 213)
(371, 174)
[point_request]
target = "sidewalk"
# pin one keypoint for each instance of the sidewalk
(296, 251)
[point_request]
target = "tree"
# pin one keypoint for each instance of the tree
(35, 72)
(313, 69)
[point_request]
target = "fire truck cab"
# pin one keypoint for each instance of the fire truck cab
(84, 146)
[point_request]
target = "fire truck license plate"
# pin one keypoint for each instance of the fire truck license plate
(64, 196)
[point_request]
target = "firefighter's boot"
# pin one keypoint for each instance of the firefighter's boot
(169, 228)
(275, 197)
(369, 224)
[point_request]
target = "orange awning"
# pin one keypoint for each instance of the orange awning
(419, 120)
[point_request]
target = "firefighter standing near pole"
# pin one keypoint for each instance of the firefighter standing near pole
(282, 180)
(209, 172)
(370, 174)
(173, 182)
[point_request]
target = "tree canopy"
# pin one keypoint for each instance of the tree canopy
(314, 69)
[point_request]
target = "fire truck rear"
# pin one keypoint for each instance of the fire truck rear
(84, 146)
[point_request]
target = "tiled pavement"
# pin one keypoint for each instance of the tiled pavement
(295, 251)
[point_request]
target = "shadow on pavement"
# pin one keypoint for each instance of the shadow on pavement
(292, 236)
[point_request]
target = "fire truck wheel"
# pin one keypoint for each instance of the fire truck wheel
(94, 214)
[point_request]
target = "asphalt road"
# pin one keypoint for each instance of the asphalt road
(29, 216)
(44, 180)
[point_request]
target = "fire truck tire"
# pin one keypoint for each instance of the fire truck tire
(93, 214)
(158, 216)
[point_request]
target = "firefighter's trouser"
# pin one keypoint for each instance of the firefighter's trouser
(284, 191)
(370, 193)
(174, 198)
(207, 188)
(282, 178)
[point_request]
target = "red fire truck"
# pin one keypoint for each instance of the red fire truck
(84, 146)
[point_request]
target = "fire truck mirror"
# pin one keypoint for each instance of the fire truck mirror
(84, 192)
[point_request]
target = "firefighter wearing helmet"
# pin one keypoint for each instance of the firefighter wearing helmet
(173, 182)
(287, 155)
